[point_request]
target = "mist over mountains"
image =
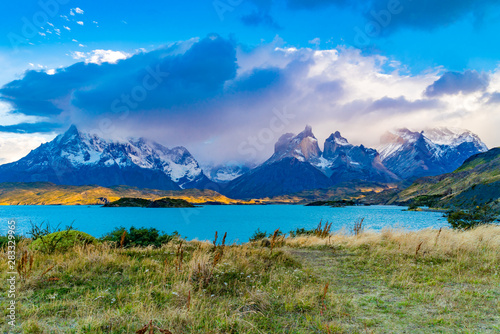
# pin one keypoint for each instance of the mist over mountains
(298, 163)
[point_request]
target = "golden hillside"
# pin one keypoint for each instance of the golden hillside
(44, 193)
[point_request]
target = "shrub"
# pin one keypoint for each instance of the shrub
(258, 235)
(139, 237)
(464, 220)
(4, 240)
(301, 231)
(62, 240)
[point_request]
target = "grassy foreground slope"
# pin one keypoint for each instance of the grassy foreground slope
(476, 182)
(393, 282)
(44, 193)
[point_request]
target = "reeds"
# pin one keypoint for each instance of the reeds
(152, 328)
(122, 239)
(274, 238)
(323, 231)
(25, 265)
(357, 229)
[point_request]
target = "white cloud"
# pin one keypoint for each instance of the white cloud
(80, 22)
(316, 41)
(67, 28)
(100, 56)
(15, 146)
(79, 10)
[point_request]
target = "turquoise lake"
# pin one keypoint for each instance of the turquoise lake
(239, 221)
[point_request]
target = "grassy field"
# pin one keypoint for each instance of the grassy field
(391, 282)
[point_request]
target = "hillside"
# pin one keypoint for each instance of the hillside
(361, 191)
(476, 182)
(44, 193)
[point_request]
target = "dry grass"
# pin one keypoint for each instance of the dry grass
(394, 281)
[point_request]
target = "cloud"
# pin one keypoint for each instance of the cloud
(212, 95)
(315, 41)
(40, 127)
(429, 14)
(493, 98)
(395, 14)
(80, 23)
(257, 18)
(451, 83)
(315, 4)
(401, 105)
(92, 86)
(100, 56)
(79, 10)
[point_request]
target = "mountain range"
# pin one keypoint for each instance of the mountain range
(298, 163)
(475, 182)
(76, 158)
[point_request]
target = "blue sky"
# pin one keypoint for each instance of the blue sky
(71, 58)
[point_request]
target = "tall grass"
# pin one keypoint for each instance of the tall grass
(305, 284)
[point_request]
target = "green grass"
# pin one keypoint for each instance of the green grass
(377, 283)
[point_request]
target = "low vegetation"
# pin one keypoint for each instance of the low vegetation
(430, 281)
(333, 204)
(467, 219)
(145, 203)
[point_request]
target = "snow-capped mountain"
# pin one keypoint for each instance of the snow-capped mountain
(347, 162)
(290, 169)
(434, 151)
(78, 158)
(223, 173)
(298, 164)
(303, 147)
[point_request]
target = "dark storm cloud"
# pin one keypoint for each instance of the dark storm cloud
(258, 79)
(258, 18)
(428, 14)
(452, 83)
(154, 80)
(401, 104)
(30, 127)
(394, 14)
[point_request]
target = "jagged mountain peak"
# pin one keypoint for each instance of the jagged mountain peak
(306, 133)
(79, 158)
(303, 147)
(336, 139)
(431, 151)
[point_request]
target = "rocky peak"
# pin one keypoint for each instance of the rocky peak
(334, 144)
(303, 146)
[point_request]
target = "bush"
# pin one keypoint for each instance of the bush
(301, 231)
(464, 220)
(4, 240)
(140, 237)
(62, 241)
(259, 235)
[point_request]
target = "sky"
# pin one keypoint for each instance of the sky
(226, 78)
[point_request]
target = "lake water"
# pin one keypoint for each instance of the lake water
(239, 221)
